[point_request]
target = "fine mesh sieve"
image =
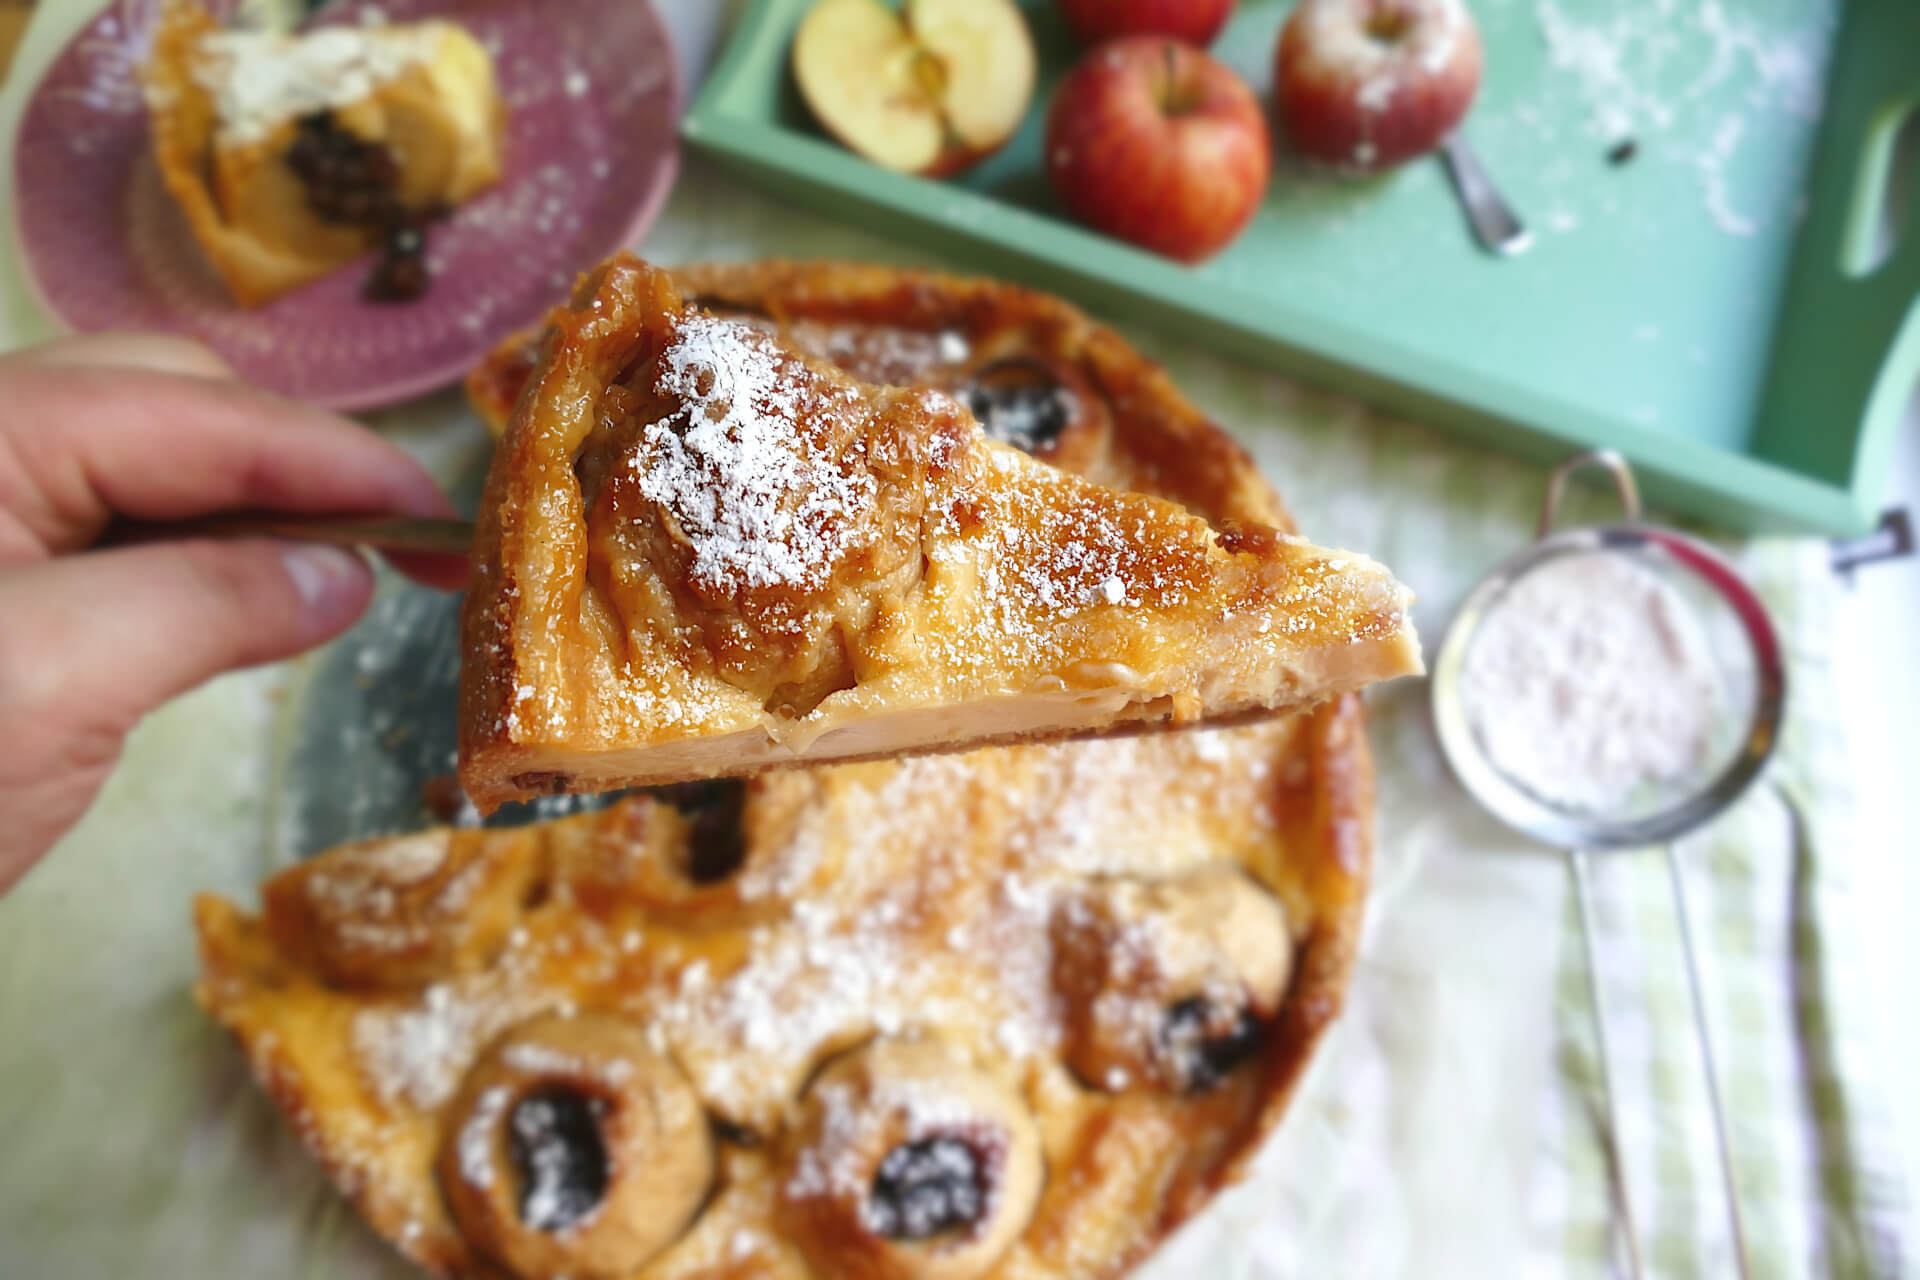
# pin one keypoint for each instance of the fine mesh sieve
(1741, 639)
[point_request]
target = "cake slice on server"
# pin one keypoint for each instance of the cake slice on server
(702, 554)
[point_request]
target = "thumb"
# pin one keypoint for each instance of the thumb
(92, 642)
(97, 640)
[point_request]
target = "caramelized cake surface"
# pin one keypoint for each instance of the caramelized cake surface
(1009, 1014)
(700, 552)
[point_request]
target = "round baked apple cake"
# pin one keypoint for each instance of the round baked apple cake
(1015, 1013)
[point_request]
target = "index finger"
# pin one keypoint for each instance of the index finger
(160, 352)
(81, 443)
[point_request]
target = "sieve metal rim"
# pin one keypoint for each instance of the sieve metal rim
(1527, 813)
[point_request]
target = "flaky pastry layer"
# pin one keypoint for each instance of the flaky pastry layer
(701, 552)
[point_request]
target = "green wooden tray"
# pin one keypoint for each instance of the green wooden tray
(1704, 307)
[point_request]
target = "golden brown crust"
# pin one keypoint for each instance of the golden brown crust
(374, 1071)
(1144, 435)
(702, 552)
(1157, 441)
(939, 840)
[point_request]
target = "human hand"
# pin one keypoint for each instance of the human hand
(91, 639)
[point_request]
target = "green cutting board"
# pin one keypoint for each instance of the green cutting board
(1692, 306)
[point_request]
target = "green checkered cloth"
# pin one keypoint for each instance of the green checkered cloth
(1771, 902)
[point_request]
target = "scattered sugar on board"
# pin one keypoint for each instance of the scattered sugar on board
(1712, 165)
(1590, 679)
(1654, 69)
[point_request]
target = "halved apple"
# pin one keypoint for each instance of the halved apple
(928, 89)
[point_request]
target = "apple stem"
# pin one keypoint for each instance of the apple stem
(1173, 101)
(1387, 24)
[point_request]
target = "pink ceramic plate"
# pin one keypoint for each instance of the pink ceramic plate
(592, 95)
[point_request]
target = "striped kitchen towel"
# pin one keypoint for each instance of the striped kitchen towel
(1772, 904)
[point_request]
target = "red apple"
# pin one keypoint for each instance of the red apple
(1365, 84)
(1195, 21)
(1153, 141)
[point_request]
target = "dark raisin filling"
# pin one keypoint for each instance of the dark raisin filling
(401, 273)
(553, 1139)
(352, 181)
(347, 179)
(716, 834)
(1019, 402)
(1198, 1050)
(738, 1134)
(924, 1188)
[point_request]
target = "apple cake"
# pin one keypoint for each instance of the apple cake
(702, 552)
(1007, 1015)
(292, 155)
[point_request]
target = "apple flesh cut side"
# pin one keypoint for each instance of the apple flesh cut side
(1154, 142)
(928, 90)
(1363, 85)
(1194, 21)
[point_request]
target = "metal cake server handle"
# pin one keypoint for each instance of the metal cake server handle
(402, 534)
(1495, 225)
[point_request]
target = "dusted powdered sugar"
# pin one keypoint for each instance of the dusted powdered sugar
(951, 944)
(419, 1052)
(1701, 78)
(261, 79)
(1589, 679)
(474, 1146)
(539, 1059)
(885, 354)
(734, 467)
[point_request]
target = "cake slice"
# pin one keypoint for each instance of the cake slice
(291, 155)
(702, 554)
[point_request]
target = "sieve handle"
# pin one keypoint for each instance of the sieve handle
(1728, 1181)
(1616, 1161)
(1595, 459)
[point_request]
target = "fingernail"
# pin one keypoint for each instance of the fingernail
(329, 580)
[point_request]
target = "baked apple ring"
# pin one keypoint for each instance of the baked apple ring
(404, 913)
(1166, 983)
(575, 1151)
(683, 856)
(910, 1163)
